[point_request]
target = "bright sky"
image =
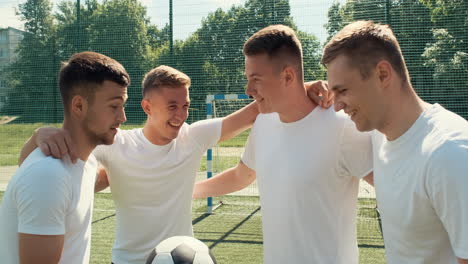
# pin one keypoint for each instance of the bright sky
(309, 15)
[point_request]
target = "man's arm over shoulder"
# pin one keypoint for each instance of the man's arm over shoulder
(447, 184)
(211, 131)
(239, 121)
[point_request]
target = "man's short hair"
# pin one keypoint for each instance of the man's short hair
(85, 71)
(365, 44)
(164, 76)
(278, 42)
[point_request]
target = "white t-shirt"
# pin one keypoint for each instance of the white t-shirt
(421, 183)
(49, 196)
(308, 177)
(152, 186)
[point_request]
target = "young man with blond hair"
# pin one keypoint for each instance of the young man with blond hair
(307, 160)
(420, 150)
(46, 213)
(152, 169)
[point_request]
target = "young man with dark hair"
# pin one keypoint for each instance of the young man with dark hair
(307, 160)
(420, 150)
(45, 216)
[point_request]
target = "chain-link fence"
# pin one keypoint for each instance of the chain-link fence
(207, 45)
(204, 39)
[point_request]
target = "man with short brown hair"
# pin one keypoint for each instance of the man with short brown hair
(307, 160)
(45, 216)
(420, 150)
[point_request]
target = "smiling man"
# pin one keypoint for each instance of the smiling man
(420, 150)
(45, 216)
(307, 160)
(152, 170)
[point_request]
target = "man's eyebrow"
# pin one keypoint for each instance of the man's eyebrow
(175, 102)
(336, 87)
(119, 97)
(253, 75)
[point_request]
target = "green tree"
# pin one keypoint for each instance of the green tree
(451, 15)
(72, 33)
(33, 76)
(413, 34)
(447, 54)
(119, 29)
(335, 20)
(450, 71)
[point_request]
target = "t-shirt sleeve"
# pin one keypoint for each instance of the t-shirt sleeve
(206, 132)
(248, 156)
(447, 182)
(356, 151)
(42, 198)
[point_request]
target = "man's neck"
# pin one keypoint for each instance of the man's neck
(403, 113)
(151, 133)
(296, 106)
(83, 145)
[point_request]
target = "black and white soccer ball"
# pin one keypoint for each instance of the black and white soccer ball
(181, 250)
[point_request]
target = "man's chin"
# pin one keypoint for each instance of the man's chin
(174, 135)
(108, 142)
(105, 140)
(363, 127)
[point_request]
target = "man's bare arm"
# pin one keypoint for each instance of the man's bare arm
(102, 181)
(39, 249)
(228, 181)
(238, 121)
(462, 261)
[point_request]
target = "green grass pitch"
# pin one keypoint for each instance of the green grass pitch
(233, 232)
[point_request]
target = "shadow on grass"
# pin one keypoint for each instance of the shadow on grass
(221, 239)
(370, 246)
(200, 218)
(102, 219)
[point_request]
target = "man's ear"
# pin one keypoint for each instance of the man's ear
(289, 75)
(79, 106)
(385, 72)
(146, 105)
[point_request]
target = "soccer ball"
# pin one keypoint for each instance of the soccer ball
(181, 250)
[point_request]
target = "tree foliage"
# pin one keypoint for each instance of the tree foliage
(32, 77)
(432, 35)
